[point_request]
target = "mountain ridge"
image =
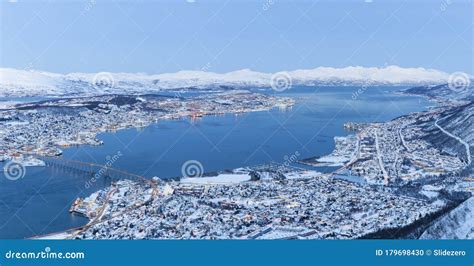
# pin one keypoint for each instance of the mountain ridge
(14, 82)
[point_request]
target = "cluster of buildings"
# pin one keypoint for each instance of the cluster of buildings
(262, 202)
(282, 203)
(393, 152)
(43, 128)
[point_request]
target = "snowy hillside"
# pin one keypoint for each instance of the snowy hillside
(444, 92)
(15, 82)
(453, 133)
(458, 224)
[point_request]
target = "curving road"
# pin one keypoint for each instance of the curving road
(468, 148)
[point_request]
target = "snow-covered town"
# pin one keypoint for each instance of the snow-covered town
(407, 182)
(204, 132)
(392, 178)
(248, 203)
(44, 128)
(375, 192)
(393, 152)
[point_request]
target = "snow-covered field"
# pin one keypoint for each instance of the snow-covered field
(302, 175)
(332, 160)
(219, 179)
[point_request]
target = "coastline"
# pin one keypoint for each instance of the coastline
(407, 226)
(395, 118)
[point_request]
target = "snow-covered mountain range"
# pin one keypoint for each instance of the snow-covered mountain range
(14, 82)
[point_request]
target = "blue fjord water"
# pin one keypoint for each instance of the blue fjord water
(39, 202)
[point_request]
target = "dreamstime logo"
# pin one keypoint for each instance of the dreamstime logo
(459, 81)
(206, 67)
(177, 94)
(445, 4)
(281, 81)
(192, 168)
(110, 160)
(14, 170)
(47, 253)
(88, 6)
(267, 4)
(359, 92)
(288, 160)
(103, 80)
(364, 87)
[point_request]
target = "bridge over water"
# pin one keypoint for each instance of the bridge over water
(92, 170)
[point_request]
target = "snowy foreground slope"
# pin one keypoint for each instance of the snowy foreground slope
(14, 82)
(457, 224)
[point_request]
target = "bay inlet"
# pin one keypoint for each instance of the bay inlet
(39, 202)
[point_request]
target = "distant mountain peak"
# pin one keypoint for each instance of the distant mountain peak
(16, 82)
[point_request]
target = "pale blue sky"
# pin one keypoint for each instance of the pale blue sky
(221, 36)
